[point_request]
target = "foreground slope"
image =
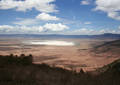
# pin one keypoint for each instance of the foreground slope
(19, 70)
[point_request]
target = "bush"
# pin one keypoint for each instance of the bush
(13, 59)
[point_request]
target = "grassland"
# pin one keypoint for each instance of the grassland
(68, 57)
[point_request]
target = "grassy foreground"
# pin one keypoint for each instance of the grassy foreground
(19, 70)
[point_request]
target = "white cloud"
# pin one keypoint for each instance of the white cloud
(81, 31)
(40, 5)
(46, 17)
(32, 29)
(86, 31)
(5, 27)
(119, 27)
(111, 7)
(20, 29)
(36, 20)
(25, 22)
(88, 23)
(85, 2)
(55, 27)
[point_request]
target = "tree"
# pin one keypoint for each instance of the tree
(82, 71)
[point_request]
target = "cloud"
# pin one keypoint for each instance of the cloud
(111, 7)
(119, 27)
(88, 23)
(32, 29)
(25, 22)
(50, 28)
(36, 20)
(46, 17)
(87, 31)
(20, 29)
(83, 31)
(85, 2)
(20, 5)
(6, 27)
(55, 27)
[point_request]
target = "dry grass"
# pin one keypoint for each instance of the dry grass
(61, 56)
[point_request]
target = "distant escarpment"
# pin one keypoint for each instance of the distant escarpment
(111, 48)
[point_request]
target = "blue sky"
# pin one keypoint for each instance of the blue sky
(80, 17)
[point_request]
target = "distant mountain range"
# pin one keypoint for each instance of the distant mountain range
(106, 35)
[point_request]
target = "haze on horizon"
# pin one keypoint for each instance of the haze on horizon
(79, 17)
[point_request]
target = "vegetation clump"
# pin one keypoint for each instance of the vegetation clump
(15, 60)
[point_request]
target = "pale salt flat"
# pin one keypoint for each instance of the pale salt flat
(52, 43)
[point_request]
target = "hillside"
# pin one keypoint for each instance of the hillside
(112, 67)
(19, 70)
(111, 48)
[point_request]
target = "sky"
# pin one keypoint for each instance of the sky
(69, 17)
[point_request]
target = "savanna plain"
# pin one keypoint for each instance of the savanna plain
(83, 54)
